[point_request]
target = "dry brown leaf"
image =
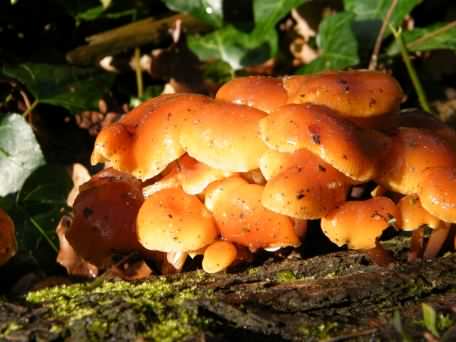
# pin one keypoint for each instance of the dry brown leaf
(129, 270)
(79, 175)
(67, 257)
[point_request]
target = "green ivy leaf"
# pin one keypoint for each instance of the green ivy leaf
(268, 13)
(209, 11)
(20, 153)
(338, 45)
(237, 48)
(434, 37)
(369, 15)
(72, 87)
(430, 318)
(36, 210)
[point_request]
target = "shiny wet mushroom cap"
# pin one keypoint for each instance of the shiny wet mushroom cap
(171, 220)
(361, 96)
(358, 224)
(261, 92)
(240, 217)
(317, 129)
(224, 136)
(146, 140)
(219, 256)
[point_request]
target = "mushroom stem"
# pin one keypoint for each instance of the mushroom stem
(176, 259)
(436, 240)
(416, 244)
(379, 255)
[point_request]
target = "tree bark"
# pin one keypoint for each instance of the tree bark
(335, 297)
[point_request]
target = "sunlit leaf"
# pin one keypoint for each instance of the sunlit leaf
(337, 43)
(235, 47)
(74, 88)
(437, 36)
(430, 318)
(268, 13)
(209, 11)
(20, 153)
(369, 15)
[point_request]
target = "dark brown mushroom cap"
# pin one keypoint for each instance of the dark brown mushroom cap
(7, 238)
(261, 92)
(105, 217)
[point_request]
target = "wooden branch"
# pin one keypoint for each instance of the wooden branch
(136, 34)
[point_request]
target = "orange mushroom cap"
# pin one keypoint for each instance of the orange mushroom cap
(7, 238)
(317, 129)
(171, 220)
(413, 215)
(236, 207)
(355, 95)
(224, 136)
(359, 223)
(146, 140)
(413, 150)
(307, 188)
(219, 256)
(261, 92)
(104, 216)
(437, 192)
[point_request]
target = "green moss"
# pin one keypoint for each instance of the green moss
(285, 277)
(10, 328)
(160, 309)
(322, 331)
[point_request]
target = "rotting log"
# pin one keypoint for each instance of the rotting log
(337, 297)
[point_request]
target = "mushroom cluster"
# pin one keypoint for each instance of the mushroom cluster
(188, 174)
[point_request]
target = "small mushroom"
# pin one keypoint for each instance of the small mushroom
(104, 217)
(358, 224)
(7, 238)
(261, 92)
(171, 220)
(224, 136)
(368, 98)
(413, 217)
(307, 188)
(219, 256)
(240, 217)
(437, 192)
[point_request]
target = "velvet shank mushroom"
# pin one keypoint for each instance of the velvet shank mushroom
(7, 238)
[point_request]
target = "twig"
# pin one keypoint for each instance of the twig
(30, 108)
(381, 33)
(43, 233)
(431, 35)
(139, 77)
(411, 70)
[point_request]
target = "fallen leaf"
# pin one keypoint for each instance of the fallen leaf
(67, 257)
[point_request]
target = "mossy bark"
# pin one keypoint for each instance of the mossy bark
(339, 296)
